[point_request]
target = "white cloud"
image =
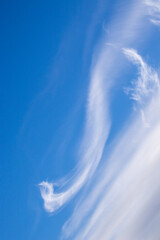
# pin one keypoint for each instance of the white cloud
(147, 76)
(127, 204)
(122, 190)
(53, 201)
(153, 10)
(125, 199)
(96, 132)
(145, 86)
(97, 115)
(147, 81)
(155, 22)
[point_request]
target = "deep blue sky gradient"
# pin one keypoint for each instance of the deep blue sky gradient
(46, 54)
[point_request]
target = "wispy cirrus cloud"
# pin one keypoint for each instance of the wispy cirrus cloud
(148, 80)
(96, 132)
(154, 10)
(97, 117)
(128, 185)
(146, 85)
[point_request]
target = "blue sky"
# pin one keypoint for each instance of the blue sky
(80, 126)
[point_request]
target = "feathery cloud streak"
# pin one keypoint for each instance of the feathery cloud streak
(124, 202)
(129, 185)
(154, 10)
(97, 121)
(80, 214)
(147, 81)
(120, 196)
(96, 132)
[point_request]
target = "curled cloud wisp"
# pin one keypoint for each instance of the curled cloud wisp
(96, 132)
(147, 81)
(146, 85)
